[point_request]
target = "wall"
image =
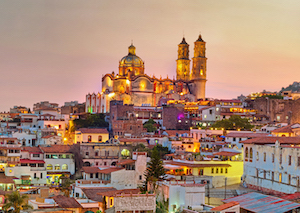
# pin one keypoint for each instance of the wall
(124, 179)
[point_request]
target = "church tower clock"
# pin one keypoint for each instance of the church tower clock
(183, 62)
(198, 74)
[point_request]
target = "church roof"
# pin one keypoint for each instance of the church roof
(183, 41)
(200, 39)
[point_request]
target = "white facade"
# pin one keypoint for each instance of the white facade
(26, 138)
(37, 174)
(58, 162)
(273, 167)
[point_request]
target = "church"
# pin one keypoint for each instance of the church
(133, 86)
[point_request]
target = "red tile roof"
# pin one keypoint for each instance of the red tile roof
(48, 136)
(31, 161)
(6, 179)
(133, 140)
(32, 149)
(117, 192)
(272, 140)
(285, 129)
(223, 153)
(126, 161)
(246, 134)
(225, 206)
(66, 202)
(56, 149)
(92, 193)
(194, 165)
(109, 170)
(93, 130)
(92, 169)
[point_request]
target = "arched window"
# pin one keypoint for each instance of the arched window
(100, 138)
(251, 153)
(246, 152)
(89, 138)
(64, 167)
(49, 167)
(257, 156)
(57, 167)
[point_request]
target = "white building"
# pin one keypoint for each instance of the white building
(182, 194)
(91, 135)
(27, 138)
(271, 164)
(59, 161)
(234, 137)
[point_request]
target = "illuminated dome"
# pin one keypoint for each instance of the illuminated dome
(131, 60)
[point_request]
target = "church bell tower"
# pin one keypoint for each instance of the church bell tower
(198, 74)
(183, 62)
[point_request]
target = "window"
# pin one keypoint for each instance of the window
(272, 176)
(290, 160)
(49, 167)
(96, 153)
(41, 175)
(280, 159)
(289, 180)
(91, 175)
(36, 155)
(265, 157)
(40, 165)
(200, 171)
(246, 152)
(100, 138)
(298, 161)
(104, 163)
(280, 178)
(111, 201)
(221, 170)
(57, 167)
(234, 140)
(257, 156)
(251, 153)
(97, 175)
(273, 158)
(212, 170)
(87, 153)
(265, 174)
(34, 175)
(226, 170)
(32, 165)
(64, 167)
(217, 170)
(140, 177)
(89, 138)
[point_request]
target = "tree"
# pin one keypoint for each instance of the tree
(154, 170)
(16, 202)
(150, 125)
(161, 150)
(162, 206)
(233, 123)
(92, 120)
(65, 186)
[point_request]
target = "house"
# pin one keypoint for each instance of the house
(217, 173)
(91, 135)
(59, 160)
(291, 130)
(182, 194)
(10, 152)
(232, 206)
(234, 137)
(271, 164)
(31, 169)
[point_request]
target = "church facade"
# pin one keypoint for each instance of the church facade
(133, 86)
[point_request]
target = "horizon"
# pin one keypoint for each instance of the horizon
(58, 51)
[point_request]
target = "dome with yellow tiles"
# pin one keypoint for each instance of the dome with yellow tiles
(131, 60)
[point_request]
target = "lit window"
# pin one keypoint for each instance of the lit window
(57, 167)
(49, 167)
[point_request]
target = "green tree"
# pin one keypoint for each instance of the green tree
(233, 123)
(162, 206)
(16, 201)
(92, 120)
(154, 170)
(161, 151)
(150, 125)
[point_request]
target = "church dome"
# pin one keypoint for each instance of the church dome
(131, 60)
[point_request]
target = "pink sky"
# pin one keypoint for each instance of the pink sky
(58, 50)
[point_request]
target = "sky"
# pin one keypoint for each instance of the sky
(58, 51)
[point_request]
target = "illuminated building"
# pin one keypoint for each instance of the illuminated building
(133, 86)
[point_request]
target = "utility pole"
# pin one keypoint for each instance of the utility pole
(225, 187)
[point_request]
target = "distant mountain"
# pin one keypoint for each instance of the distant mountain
(295, 87)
